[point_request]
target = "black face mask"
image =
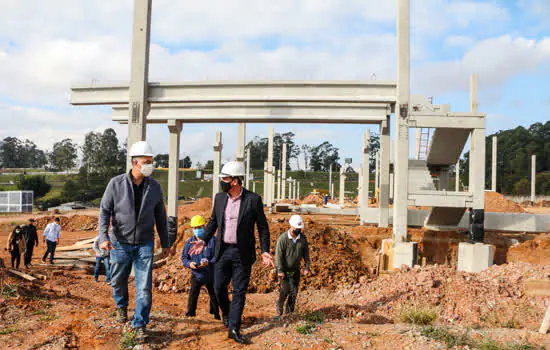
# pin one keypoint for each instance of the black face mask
(297, 231)
(226, 186)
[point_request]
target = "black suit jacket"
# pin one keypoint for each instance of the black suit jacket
(251, 213)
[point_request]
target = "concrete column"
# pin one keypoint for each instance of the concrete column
(342, 186)
(331, 193)
(473, 108)
(377, 171)
(359, 186)
(298, 191)
(331, 190)
(139, 107)
(247, 168)
(384, 182)
(283, 194)
(364, 203)
(254, 186)
(444, 179)
(266, 183)
(533, 177)
(401, 164)
(270, 164)
(477, 160)
(279, 189)
(392, 186)
(272, 183)
(173, 167)
(241, 142)
(457, 177)
(218, 146)
(494, 166)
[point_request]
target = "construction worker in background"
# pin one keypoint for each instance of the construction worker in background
(202, 269)
(16, 246)
(51, 235)
(292, 247)
(236, 211)
(101, 256)
(134, 203)
(31, 240)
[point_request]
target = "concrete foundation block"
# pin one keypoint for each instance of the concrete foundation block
(404, 253)
(474, 257)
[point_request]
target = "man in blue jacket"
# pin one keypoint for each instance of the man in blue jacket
(133, 203)
(202, 269)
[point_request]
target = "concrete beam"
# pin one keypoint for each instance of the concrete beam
(494, 166)
(262, 112)
(449, 120)
(173, 168)
(218, 146)
(234, 91)
(441, 199)
(401, 165)
(136, 94)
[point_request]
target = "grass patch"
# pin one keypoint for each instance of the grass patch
(306, 328)
(48, 318)
(8, 330)
(38, 312)
(128, 339)
(511, 323)
(9, 291)
(416, 316)
(314, 317)
(450, 339)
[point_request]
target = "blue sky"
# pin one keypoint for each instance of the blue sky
(59, 43)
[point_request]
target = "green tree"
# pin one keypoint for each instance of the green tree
(323, 156)
(63, 156)
(161, 160)
(91, 155)
(10, 151)
(522, 187)
(209, 165)
(374, 143)
(109, 149)
(187, 162)
(37, 184)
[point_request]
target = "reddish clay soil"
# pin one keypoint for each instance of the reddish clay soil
(70, 310)
(495, 202)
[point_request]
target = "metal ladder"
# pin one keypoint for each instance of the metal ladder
(423, 144)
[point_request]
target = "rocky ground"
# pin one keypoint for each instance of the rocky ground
(342, 305)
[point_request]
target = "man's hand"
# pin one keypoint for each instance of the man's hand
(165, 252)
(106, 246)
(197, 247)
(307, 272)
(193, 265)
(267, 259)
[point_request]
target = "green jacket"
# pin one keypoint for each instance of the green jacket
(288, 255)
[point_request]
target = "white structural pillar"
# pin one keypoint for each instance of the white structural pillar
(377, 171)
(533, 177)
(401, 165)
(269, 197)
(173, 178)
(331, 190)
(364, 197)
(477, 155)
(254, 186)
(241, 142)
(494, 166)
(218, 146)
(279, 189)
(473, 108)
(331, 193)
(342, 186)
(457, 176)
(384, 182)
(272, 184)
(266, 180)
(298, 191)
(139, 107)
(283, 175)
(247, 168)
(290, 188)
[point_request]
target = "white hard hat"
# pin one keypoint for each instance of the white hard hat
(141, 149)
(233, 169)
(296, 221)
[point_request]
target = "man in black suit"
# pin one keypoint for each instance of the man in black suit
(236, 211)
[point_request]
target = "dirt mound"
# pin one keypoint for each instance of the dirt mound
(70, 223)
(495, 202)
(316, 199)
(536, 251)
(492, 298)
(335, 258)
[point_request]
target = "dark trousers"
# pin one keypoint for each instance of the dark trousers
(288, 292)
(230, 269)
(194, 297)
(51, 250)
(28, 254)
(15, 258)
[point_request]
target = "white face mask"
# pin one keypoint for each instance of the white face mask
(146, 169)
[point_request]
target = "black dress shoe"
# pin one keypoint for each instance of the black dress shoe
(236, 336)
(225, 321)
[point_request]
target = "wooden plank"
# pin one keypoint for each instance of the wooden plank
(39, 276)
(74, 247)
(86, 241)
(160, 263)
(22, 275)
(545, 322)
(538, 287)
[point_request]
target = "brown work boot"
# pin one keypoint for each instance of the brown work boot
(140, 335)
(122, 315)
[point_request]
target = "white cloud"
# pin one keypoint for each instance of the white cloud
(459, 41)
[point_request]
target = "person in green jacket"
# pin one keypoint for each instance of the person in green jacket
(292, 247)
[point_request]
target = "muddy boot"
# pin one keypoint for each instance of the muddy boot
(140, 335)
(122, 315)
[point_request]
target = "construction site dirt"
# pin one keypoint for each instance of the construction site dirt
(345, 303)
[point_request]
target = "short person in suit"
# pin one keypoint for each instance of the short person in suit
(236, 211)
